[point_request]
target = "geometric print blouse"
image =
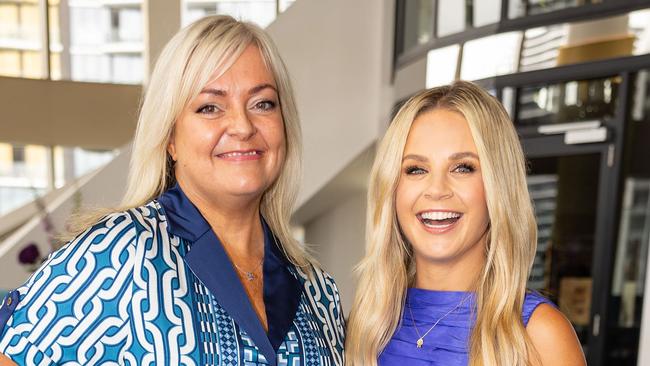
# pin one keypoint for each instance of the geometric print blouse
(154, 286)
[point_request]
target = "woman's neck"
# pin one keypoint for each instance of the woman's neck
(236, 221)
(461, 274)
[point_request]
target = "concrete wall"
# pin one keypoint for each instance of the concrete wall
(339, 55)
(337, 237)
(89, 115)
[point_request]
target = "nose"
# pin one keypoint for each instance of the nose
(438, 188)
(240, 125)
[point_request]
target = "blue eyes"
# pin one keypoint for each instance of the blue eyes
(414, 170)
(263, 106)
(462, 168)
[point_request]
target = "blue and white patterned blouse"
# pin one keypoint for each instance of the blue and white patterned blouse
(154, 286)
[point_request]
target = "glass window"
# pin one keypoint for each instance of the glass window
(23, 174)
(486, 12)
(127, 69)
(639, 25)
(106, 42)
(261, 12)
(627, 293)
(564, 191)
(10, 64)
(21, 53)
(127, 25)
(26, 171)
(452, 17)
(521, 8)
(32, 64)
(574, 101)
(285, 4)
(480, 61)
(441, 65)
(418, 22)
(85, 161)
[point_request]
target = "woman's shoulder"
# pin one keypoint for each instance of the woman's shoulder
(321, 292)
(313, 275)
(136, 219)
(532, 301)
(554, 338)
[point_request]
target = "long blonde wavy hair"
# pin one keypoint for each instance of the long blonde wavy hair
(186, 64)
(499, 336)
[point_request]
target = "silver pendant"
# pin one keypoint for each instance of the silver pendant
(250, 276)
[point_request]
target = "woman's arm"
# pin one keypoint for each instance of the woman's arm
(5, 361)
(554, 339)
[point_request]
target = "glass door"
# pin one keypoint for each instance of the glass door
(565, 186)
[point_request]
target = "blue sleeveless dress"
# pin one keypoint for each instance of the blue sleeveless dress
(447, 344)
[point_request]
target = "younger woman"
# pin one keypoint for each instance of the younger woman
(451, 238)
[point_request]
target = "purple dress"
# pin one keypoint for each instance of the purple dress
(447, 344)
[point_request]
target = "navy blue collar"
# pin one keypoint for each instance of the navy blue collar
(209, 262)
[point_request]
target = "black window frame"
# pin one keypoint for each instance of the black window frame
(606, 8)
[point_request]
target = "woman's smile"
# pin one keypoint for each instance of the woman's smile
(439, 222)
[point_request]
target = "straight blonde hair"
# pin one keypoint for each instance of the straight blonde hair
(197, 54)
(387, 270)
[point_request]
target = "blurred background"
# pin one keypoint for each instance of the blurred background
(573, 74)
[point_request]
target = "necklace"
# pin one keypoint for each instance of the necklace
(249, 275)
(420, 340)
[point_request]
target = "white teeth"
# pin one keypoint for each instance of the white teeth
(439, 215)
(235, 154)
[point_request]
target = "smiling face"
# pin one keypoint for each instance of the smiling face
(229, 140)
(440, 199)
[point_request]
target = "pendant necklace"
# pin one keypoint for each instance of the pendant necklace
(250, 275)
(420, 341)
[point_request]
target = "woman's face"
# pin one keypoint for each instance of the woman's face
(229, 140)
(440, 200)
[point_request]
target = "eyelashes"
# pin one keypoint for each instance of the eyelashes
(414, 170)
(266, 105)
(261, 106)
(208, 109)
(465, 168)
(462, 168)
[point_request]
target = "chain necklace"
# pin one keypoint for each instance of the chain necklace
(420, 340)
(249, 275)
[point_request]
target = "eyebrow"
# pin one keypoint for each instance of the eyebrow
(252, 91)
(462, 155)
(455, 156)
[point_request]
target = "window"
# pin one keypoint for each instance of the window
(481, 61)
(441, 65)
(418, 25)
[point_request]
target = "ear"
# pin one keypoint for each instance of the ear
(171, 147)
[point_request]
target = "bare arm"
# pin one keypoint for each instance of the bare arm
(554, 339)
(5, 361)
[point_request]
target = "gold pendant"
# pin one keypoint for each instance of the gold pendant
(420, 343)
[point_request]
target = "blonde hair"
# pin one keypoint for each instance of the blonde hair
(499, 336)
(186, 64)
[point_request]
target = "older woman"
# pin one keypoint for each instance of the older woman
(199, 267)
(451, 239)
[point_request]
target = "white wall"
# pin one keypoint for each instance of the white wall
(337, 237)
(339, 55)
